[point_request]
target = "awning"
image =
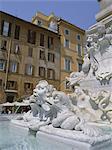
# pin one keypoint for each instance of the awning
(7, 104)
(11, 91)
(20, 104)
(14, 104)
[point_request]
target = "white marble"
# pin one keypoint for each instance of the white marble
(82, 118)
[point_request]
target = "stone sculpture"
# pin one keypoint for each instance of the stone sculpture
(78, 115)
(81, 109)
(99, 50)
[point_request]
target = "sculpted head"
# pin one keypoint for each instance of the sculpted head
(78, 90)
(89, 39)
(41, 88)
(82, 98)
(60, 98)
(101, 28)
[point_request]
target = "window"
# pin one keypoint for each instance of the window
(41, 39)
(50, 74)
(67, 32)
(41, 71)
(67, 64)
(39, 22)
(42, 55)
(30, 51)
(16, 48)
(29, 69)
(17, 32)
(31, 36)
(79, 50)
(6, 28)
(12, 85)
(3, 45)
(28, 86)
(51, 57)
(79, 67)
(78, 37)
(13, 67)
(67, 43)
(50, 42)
(2, 64)
(0, 82)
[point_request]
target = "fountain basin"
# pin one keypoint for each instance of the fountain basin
(57, 138)
(53, 142)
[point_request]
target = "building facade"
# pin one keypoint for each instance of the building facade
(71, 38)
(28, 53)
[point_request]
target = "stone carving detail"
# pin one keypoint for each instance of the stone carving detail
(49, 106)
(99, 48)
(83, 109)
(98, 57)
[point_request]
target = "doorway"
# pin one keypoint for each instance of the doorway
(10, 98)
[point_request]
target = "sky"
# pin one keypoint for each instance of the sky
(79, 12)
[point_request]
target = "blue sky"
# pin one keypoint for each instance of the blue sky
(79, 12)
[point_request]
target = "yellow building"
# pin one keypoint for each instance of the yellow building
(72, 39)
(28, 53)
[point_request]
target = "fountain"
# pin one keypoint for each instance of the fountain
(84, 117)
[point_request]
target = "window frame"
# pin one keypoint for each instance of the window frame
(17, 32)
(50, 42)
(3, 45)
(66, 63)
(65, 43)
(51, 57)
(44, 72)
(6, 26)
(4, 64)
(78, 36)
(42, 39)
(28, 86)
(13, 67)
(79, 49)
(27, 68)
(31, 37)
(65, 33)
(42, 55)
(30, 52)
(48, 73)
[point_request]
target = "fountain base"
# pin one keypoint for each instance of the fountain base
(60, 143)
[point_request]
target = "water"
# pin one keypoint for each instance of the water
(12, 138)
(16, 138)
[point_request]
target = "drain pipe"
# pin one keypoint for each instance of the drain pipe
(7, 66)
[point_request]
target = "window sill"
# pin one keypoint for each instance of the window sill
(13, 72)
(2, 70)
(68, 71)
(50, 79)
(51, 61)
(29, 75)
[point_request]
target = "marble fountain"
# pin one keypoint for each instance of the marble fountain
(84, 117)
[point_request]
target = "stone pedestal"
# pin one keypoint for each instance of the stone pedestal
(105, 9)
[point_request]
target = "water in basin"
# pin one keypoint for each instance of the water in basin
(12, 138)
(17, 138)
